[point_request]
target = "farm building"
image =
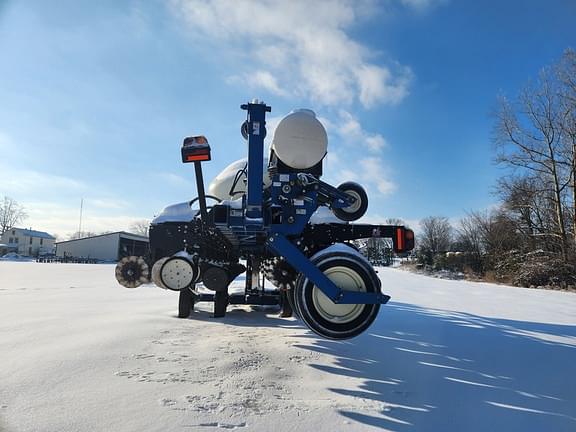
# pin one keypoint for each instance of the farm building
(27, 242)
(106, 247)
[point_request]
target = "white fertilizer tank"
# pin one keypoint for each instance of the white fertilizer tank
(300, 140)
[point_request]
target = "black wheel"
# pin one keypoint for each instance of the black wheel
(286, 310)
(338, 321)
(356, 210)
(292, 301)
(185, 303)
(353, 246)
(244, 130)
(220, 303)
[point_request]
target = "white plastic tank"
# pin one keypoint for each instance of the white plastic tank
(220, 186)
(300, 140)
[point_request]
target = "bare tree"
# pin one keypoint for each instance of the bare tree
(469, 240)
(395, 221)
(495, 231)
(140, 227)
(529, 206)
(529, 138)
(11, 214)
(469, 237)
(436, 236)
(566, 72)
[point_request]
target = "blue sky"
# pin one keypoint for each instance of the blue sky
(97, 96)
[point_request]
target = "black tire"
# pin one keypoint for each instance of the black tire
(286, 310)
(220, 303)
(353, 319)
(353, 246)
(292, 302)
(185, 303)
(356, 210)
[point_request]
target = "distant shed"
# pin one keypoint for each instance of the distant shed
(106, 247)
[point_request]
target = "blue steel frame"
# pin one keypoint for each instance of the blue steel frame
(282, 246)
(256, 134)
(277, 242)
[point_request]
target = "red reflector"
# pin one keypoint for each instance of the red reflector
(201, 157)
(399, 239)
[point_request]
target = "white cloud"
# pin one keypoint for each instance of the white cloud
(108, 203)
(375, 142)
(371, 172)
(24, 181)
(63, 219)
(259, 79)
(351, 131)
(174, 179)
(52, 202)
(303, 50)
(298, 48)
(378, 85)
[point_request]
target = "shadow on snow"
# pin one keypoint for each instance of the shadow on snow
(440, 370)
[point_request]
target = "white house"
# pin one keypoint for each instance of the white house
(106, 247)
(28, 242)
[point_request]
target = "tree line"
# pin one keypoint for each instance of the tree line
(530, 237)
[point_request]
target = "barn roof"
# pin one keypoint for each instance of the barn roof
(34, 233)
(122, 234)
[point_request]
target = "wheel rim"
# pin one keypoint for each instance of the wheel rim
(177, 274)
(347, 279)
(357, 204)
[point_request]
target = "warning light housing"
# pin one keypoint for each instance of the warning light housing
(403, 240)
(195, 149)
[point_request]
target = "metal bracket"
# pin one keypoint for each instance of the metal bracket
(282, 246)
(200, 189)
(331, 195)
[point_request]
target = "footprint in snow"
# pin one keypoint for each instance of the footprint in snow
(167, 402)
(143, 356)
(220, 425)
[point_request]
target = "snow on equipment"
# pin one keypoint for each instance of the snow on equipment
(269, 220)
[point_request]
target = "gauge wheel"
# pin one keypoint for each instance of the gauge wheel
(356, 210)
(185, 303)
(286, 309)
(220, 303)
(292, 301)
(349, 272)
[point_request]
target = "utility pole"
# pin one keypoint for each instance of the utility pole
(80, 223)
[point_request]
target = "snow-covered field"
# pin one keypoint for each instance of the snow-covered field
(80, 353)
